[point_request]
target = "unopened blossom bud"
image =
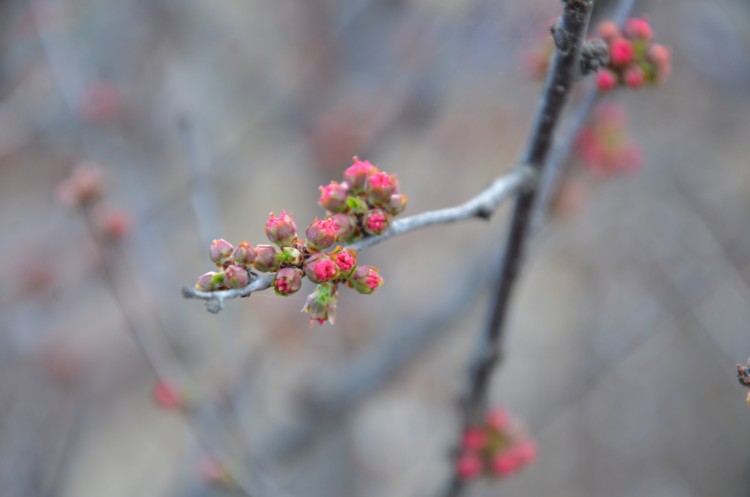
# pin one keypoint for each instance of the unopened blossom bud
(167, 395)
(504, 464)
(660, 57)
(289, 256)
(365, 279)
(333, 197)
(210, 281)
(526, 452)
(288, 281)
(321, 234)
(346, 260)
(379, 188)
(356, 205)
(473, 439)
(82, 186)
(320, 268)
(265, 258)
(221, 251)
(621, 52)
(376, 222)
(236, 276)
(347, 224)
(498, 419)
(634, 76)
(608, 30)
(605, 80)
(469, 465)
(321, 304)
(281, 230)
(638, 29)
(244, 254)
(356, 175)
(396, 204)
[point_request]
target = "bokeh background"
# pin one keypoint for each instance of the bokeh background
(206, 115)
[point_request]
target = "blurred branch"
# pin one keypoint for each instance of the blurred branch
(568, 34)
(483, 205)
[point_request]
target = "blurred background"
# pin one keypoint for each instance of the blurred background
(204, 116)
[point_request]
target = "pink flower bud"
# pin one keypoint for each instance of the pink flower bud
(621, 52)
(281, 230)
(347, 225)
(609, 30)
(634, 76)
(474, 439)
(321, 234)
(638, 29)
(379, 188)
(221, 251)
(498, 419)
(660, 56)
(356, 175)
(376, 222)
(320, 268)
(265, 258)
(605, 80)
(236, 276)
(526, 452)
(289, 256)
(82, 186)
(346, 260)
(210, 281)
(288, 281)
(504, 464)
(321, 304)
(244, 254)
(167, 395)
(469, 466)
(333, 197)
(114, 224)
(396, 204)
(365, 279)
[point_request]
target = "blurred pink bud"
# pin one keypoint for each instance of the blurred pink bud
(498, 419)
(265, 258)
(376, 221)
(526, 452)
(504, 464)
(621, 52)
(236, 276)
(281, 230)
(634, 76)
(320, 268)
(321, 234)
(333, 197)
(356, 175)
(608, 30)
(638, 28)
(605, 80)
(221, 251)
(114, 224)
(469, 466)
(244, 254)
(288, 281)
(167, 395)
(82, 186)
(473, 439)
(365, 279)
(379, 188)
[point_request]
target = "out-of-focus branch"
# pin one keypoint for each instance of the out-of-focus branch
(568, 34)
(483, 205)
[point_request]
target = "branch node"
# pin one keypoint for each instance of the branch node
(214, 306)
(594, 55)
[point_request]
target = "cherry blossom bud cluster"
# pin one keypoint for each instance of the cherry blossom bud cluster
(83, 189)
(605, 146)
(361, 205)
(498, 448)
(634, 59)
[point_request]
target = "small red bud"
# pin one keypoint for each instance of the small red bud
(469, 466)
(167, 395)
(320, 268)
(379, 188)
(221, 251)
(365, 279)
(347, 225)
(504, 463)
(526, 452)
(474, 439)
(396, 204)
(608, 30)
(356, 175)
(333, 197)
(244, 254)
(605, 80)
(82, 186)
(634, 76)
(376, 221)
(621, 52)
(236, 276)
(265, 258)
(281, 230)
(498, 419)
(638, 29)
(321, 234)
(346, 260)
(288, 281)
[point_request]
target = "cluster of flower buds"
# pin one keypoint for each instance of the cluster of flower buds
(634, 60)
(498, 448)
(83, 189)
(360, 206)
(604, 144)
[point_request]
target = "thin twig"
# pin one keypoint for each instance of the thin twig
(568, 33)
(483, 205)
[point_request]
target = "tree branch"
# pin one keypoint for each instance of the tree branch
(483, 205)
